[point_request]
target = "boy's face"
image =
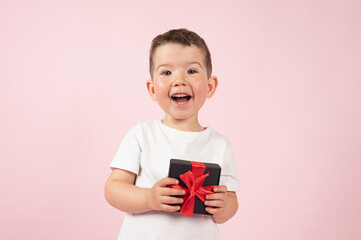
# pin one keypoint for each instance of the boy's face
(180, 83)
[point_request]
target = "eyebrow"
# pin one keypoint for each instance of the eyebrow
(162, 65)
(197, 64)
(168, 65)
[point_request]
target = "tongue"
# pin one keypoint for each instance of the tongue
(181, 100)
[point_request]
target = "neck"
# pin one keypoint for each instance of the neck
(191, 125)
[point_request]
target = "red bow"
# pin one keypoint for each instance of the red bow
(193, 180)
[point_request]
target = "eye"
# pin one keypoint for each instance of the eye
(166, 73)
(192, 71)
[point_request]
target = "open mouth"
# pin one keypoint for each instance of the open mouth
(181, 98)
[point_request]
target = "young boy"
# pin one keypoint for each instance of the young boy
(180, 70)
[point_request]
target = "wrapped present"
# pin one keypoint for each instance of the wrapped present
(197, 179)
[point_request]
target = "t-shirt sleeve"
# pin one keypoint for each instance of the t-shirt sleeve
(129, 153)
(228, 172)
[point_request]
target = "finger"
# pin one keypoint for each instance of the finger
(214, 211)
(169, 208)
(213, 196)
(171, 200)
(215, 203)
(172, 192)
(222, 188)
(167, 181)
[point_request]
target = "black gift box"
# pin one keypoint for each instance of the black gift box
(178, 167)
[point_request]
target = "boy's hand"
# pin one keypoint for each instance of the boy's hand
(160, 196)
(218, 200)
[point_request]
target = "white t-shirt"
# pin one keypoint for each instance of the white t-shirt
(146, 151)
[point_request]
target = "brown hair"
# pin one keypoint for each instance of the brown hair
(184, 37)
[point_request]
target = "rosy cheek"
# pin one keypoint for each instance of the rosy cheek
(200, 88)
(162, 88)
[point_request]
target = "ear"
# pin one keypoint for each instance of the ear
(150, 88)
(212, 86)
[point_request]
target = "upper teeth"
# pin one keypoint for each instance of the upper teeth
(180, 95)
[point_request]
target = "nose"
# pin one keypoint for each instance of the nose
(179, 80)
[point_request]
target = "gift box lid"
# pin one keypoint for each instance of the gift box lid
(178, 167)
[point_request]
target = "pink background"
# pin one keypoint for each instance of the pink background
(72, 83)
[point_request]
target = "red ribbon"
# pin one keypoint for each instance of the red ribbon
(193, 180)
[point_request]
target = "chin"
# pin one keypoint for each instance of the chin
(181, 116)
